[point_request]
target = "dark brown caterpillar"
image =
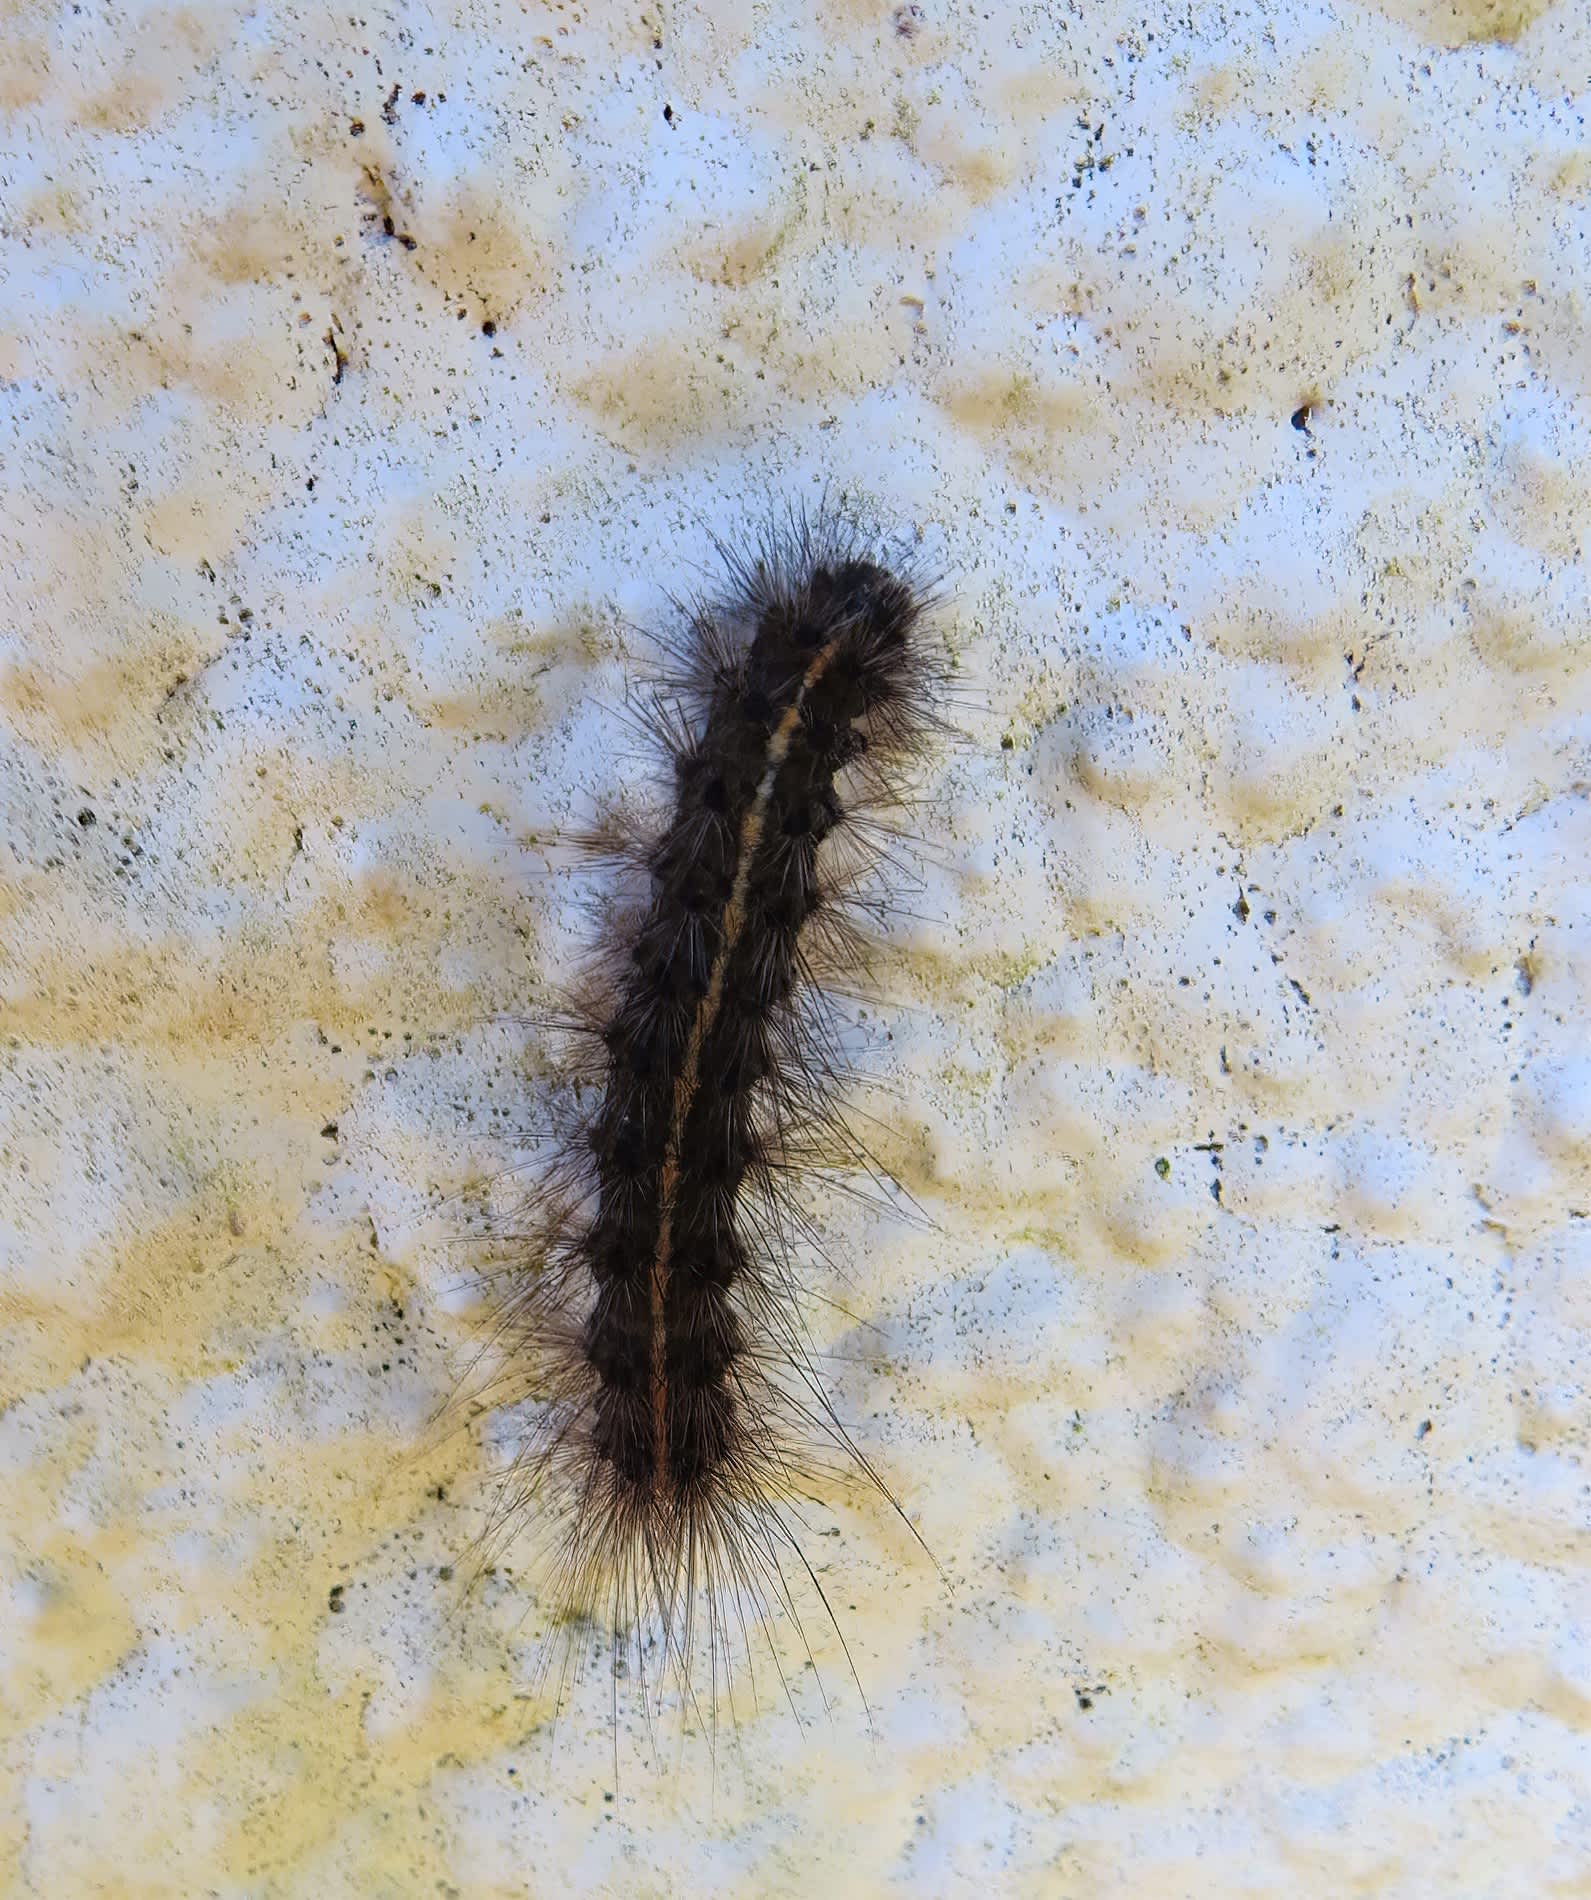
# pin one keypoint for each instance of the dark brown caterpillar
(657, 1319)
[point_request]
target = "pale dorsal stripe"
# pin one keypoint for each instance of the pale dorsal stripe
(734, 918)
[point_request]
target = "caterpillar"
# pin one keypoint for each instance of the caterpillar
(654, 1318)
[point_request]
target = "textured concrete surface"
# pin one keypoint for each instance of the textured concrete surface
(365, 375)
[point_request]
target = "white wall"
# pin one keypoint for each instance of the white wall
(1236, 373)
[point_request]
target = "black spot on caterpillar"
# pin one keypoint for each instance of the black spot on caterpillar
(653, 1320)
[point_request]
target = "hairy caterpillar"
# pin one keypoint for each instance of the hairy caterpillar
(655, 1319)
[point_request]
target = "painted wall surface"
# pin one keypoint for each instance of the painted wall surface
(368, 374)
